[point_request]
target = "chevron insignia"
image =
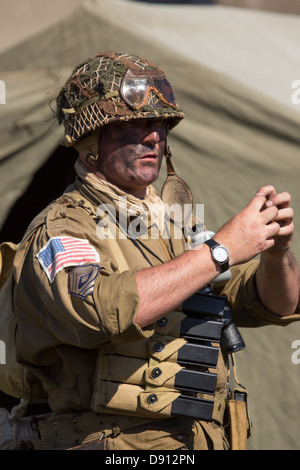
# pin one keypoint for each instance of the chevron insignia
(82, 280)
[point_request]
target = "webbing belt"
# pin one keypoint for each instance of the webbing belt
(88, 427)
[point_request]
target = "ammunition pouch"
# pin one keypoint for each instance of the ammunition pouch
(207, 328)
(172, 373)
(197, 356)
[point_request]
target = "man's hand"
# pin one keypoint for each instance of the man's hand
(285, 219)
(258, 227)
(269, 219)
(264, 227)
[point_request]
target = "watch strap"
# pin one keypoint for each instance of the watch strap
(213, 244)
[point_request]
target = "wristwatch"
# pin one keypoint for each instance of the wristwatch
(219, 254)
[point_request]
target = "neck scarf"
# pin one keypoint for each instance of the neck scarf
(151, 206)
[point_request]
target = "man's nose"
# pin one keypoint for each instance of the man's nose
(152, 137)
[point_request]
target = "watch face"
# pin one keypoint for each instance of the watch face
(220, 254)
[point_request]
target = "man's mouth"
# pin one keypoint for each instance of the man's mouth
(149, 157)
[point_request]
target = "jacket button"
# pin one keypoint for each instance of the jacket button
(159, 347)
(156, 372)
(151, 399)
(162, 322)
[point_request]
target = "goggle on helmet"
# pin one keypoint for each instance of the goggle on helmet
(111, 87)
(138, 84)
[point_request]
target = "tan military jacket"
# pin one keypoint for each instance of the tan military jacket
(75, 324)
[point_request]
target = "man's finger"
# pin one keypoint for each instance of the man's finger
(273, 229)
(258, 201)
(262, 195)
(269, 214)
(286, 230)
(285, 215)
(267, 191)
(281, 199)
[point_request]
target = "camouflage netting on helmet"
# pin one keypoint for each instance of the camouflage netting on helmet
(91, 96)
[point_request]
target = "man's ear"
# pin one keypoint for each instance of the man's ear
(88, 149)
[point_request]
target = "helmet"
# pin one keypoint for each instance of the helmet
(114, 86)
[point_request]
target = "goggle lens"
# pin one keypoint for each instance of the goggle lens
(164, 87)
(134, 91)
(136, 87)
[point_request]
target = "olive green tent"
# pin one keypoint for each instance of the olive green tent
(233, 72)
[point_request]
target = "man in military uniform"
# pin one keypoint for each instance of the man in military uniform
(102, 316)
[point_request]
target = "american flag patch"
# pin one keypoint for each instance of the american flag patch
(60, 252)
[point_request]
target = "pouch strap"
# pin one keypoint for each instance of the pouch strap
(219, 406)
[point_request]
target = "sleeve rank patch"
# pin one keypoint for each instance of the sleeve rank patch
(82, 280)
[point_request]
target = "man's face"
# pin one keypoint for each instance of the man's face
(130, 153)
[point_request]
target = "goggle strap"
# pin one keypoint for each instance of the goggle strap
(160, 96)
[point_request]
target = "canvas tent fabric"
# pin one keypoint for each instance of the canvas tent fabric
(281, 6)
(232, 72)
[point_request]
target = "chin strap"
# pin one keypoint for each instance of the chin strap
(88, 150)
(168, 155)
(91, 158)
